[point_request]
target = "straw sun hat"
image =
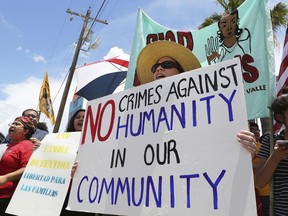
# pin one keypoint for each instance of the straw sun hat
(151, 53)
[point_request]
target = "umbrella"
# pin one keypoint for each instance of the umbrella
(101, 78)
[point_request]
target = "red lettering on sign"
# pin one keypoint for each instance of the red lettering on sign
(181, 37)
(95, 125)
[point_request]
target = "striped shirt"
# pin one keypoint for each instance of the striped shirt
(280, 176)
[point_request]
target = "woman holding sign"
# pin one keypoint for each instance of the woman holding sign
(74, 125)
(273, 164)
(15, 158)
(76, 122)
(162, 59)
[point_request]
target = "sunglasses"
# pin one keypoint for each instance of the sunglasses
(167, 65)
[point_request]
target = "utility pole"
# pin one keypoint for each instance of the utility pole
(73, 65)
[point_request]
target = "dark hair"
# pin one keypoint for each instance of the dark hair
(284, 90)
(253, 124)
(179, 67)
(28, 125)
(42, 126)
(70, 125)
(237, 31)
(30, 109)
(279, 105)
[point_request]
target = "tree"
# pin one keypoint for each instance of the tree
(279, 18)
(279, 14)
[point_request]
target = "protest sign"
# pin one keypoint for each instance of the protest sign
(45, 181)
(167, 148)
(246, 33)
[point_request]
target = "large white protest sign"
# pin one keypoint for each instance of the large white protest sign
(168, 148)
(45, 181)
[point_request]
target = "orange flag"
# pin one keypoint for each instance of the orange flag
(45, 102)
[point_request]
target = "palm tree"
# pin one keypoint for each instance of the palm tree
(279, 18)
(279, 14)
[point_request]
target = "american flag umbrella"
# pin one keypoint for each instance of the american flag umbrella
(101, 78)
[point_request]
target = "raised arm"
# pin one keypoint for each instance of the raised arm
(13, 176)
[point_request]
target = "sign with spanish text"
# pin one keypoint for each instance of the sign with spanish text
(45, 181)
(168, 148)
(246, 33)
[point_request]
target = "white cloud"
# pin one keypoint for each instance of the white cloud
(19, 97)
(2, 19)
(39, 58)
(36, 58)
(24, 95)
(10, 27)
(115, 51)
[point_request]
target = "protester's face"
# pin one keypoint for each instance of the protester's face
(78, 121)
(162, 72)
(17, 131)
(33, 116)
(228, 25)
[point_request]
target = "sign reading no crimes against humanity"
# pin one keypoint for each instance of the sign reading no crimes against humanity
(45, 181)
(168, 148)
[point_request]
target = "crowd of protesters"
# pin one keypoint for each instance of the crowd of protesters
(157, 61)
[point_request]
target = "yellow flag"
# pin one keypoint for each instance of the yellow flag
(45, 103)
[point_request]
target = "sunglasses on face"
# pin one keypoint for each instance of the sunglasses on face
(167, 65)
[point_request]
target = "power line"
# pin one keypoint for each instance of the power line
(73, 65)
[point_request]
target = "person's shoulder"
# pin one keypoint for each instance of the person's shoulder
(40, 131)
(39, 134)
(265, 137)
(25, 144)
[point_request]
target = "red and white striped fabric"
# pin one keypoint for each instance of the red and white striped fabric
(101, 78)
(282, 81)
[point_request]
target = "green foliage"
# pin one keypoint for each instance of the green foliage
(210, 20)
(229, 5)
(279, 14)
